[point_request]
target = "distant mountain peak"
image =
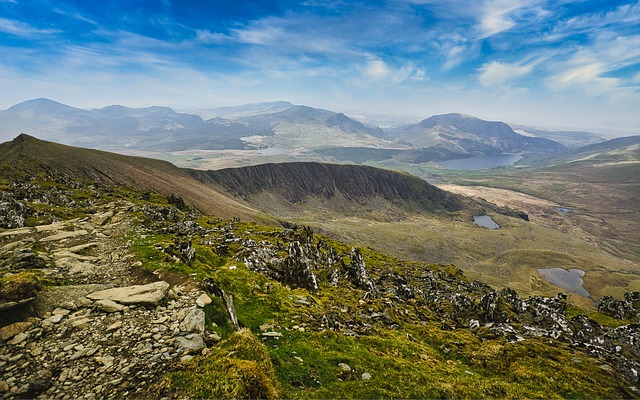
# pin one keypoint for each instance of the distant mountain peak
(40, 104)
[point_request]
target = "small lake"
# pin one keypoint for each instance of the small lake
(271, 151)
(566, 279)
(563, 209)
(485, 221)
(481, 162)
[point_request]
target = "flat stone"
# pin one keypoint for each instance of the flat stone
(56, 226)
(54, 319)
(13, 304)
(203, 300)
(147, 295)
(115, 326)
(12, 330)
(64, 235)
(82, 268)
(60, 311)
(109, 306)
(78, 322)
(19, 338)
(18, 231)
(272, 334)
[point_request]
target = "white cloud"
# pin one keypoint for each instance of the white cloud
(377, 69)
(419, 75)
(18, 28)
(497, 73)
(501, 15)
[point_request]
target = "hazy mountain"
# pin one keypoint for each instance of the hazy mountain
(571, 139)
(162, 129)
(241, 111)
(624, 150)
(460, 134)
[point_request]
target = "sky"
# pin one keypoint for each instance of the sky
(547, 63)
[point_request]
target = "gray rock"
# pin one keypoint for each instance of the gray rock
(147, 295)
(193, 321)
(64, 235)
(344, 367)
(190, 342)
(203, 300)
(272, 334)
(365, 376)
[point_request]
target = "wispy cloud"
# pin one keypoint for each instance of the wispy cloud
(497, 73)
(18, 28)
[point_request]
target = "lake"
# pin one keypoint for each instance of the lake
(566, 279)
(481, 162)
(485, 221)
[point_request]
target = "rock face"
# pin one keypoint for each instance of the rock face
(147, 295)
(297, 181)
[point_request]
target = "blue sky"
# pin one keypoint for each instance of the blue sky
(556, 63)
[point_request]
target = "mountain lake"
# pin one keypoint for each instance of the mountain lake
(485, 221)
(566, 279)
(481, 162)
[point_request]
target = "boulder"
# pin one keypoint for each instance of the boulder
(193, 321)
(147, 295)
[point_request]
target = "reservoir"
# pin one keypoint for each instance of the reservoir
(485, 221)
(483, 162)
(569, 280)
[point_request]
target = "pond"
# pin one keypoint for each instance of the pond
(485, 221)
(271, 151)
(566, 279)
(481, 162)
(563, 209)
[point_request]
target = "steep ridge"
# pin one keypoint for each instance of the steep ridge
(27, 156)
(295, 182)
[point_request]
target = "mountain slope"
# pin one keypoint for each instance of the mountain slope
(296, 182)
(26, 156)
(465, 135)
(350, 186)
(302, 126)
(246, 110)
(571, 139)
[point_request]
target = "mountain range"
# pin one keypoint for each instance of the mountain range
(280, 125)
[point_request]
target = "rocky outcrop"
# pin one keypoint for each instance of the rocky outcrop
(149, 295)
(621, 309)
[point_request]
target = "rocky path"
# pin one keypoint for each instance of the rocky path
(110, 331)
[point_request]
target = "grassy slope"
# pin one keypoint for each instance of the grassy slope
(26, 155)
